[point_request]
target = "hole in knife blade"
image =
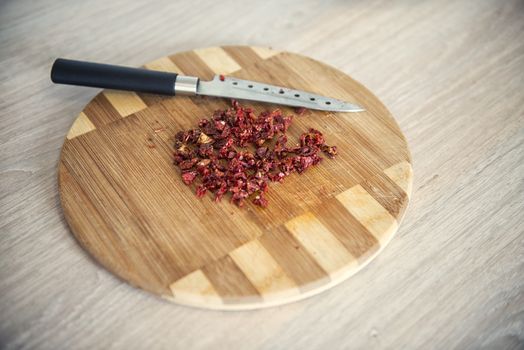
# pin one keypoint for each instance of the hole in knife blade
(235, 83)
(265, 89)
(297, 95)
(281, 91)
(312, 98)
(328, 103)
(250, 86)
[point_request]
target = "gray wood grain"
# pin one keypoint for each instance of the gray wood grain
(452, 72)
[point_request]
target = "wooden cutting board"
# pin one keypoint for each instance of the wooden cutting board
(126, 204)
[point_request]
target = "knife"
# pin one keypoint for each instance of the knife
(107, 76)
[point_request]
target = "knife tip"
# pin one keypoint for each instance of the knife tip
(348, 107)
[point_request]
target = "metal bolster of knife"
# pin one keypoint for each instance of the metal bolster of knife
(186, 85)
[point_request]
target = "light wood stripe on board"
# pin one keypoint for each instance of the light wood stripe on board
(369, 212)
(347, 229)
(402, 174)
(81, 126)
(325, 248)
(244, 56)
(218, 60)
(263, 271)
(265, 52)
(195, 288)
(164, 64)
(125, 102)
(286, 251)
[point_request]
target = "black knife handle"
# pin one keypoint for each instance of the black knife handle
(108, 76)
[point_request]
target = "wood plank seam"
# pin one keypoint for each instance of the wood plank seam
(264, 52)
(387, 193)
(369, 212)
(268, 278)
(100, 111)
(81, 125)
(195, 287)
(321, 244)
(230, 282)
(287, 251)
(402, 174)
(125, 102)
(164, 64)
(218, 60)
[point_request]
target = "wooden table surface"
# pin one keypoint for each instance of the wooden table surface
(452, 72)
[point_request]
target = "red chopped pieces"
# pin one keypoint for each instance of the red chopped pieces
(300, 110)
(189, 177)
(218, 153)
(222, 77)
(331, 151)
(260, 200)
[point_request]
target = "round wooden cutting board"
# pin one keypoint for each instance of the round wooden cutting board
(127, 205)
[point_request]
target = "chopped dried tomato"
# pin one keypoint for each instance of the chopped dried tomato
(189, 177)
(331, 151)
(260, 200)
(300, 110)
(213, 153)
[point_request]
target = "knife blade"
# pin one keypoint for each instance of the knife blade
(81, 73)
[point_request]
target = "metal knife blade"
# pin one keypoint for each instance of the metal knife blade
(230, 87)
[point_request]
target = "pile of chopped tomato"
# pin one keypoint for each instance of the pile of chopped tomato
(216, 156)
